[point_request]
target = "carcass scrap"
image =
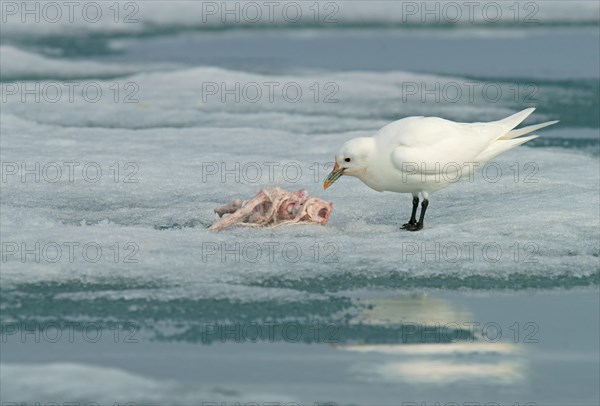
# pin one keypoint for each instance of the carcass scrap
(273, 207)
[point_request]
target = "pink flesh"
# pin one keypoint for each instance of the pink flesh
(274, 207)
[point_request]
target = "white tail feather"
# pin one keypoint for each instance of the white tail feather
(526, 130)
(509, 139)
(511, 122)
(497, 147)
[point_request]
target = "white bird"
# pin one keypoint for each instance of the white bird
(421, 155)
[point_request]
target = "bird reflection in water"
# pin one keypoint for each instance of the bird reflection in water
(437, 343)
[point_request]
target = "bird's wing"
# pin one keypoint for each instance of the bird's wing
(433, 144)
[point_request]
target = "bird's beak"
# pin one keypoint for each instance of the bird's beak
(334, 175)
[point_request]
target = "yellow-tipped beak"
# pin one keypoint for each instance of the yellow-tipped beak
(333, 176)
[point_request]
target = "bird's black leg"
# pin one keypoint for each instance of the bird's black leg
(413, 218)
(419, 225)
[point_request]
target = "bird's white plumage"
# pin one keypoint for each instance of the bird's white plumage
(425, 154)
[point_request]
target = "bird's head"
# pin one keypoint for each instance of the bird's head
(352, 159)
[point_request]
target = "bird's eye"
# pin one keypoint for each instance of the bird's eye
(347, 159)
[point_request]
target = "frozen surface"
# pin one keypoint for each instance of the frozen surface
(173, 153)
(16, 63)
(305, 103)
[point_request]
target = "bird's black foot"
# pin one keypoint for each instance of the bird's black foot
(413, 224)
(413, 227)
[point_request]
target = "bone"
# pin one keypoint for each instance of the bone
(230, 207)
(272, 208)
